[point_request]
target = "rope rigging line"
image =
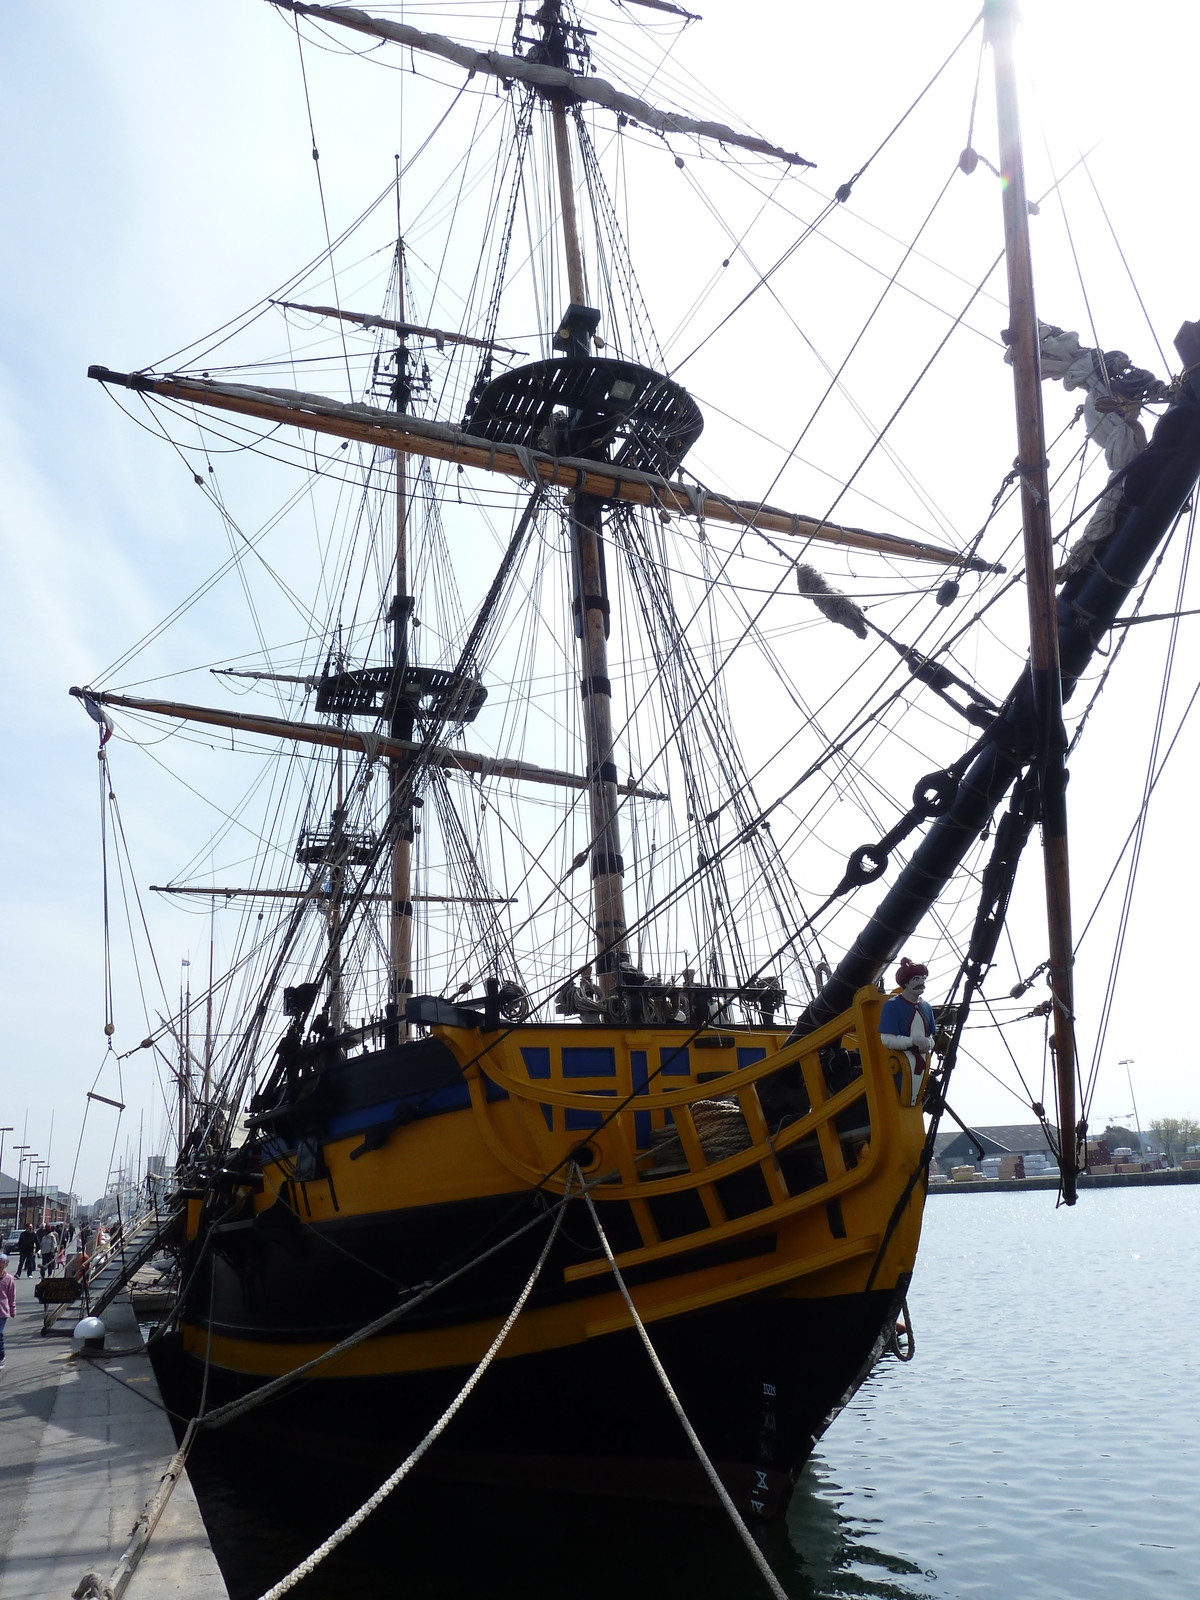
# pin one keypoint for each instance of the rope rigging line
(853, 729)
(840, 197)
(835, 380)
(1138, 819)
(999, 878)
(1129, 270)
(324, 213)
(722, 1493)
(311, 1562)
(1140, 824)
(1120, 644)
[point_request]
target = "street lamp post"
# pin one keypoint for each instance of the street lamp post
(20, 1163)
(1127, 1063)
(3, 1131)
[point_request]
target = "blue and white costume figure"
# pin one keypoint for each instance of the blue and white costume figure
(906, 1022)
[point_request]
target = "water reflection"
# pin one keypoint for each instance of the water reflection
(439, 1538)
(823, 1552)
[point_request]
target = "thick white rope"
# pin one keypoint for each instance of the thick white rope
(748, 1540)
(310, 1563)
(267, 1391)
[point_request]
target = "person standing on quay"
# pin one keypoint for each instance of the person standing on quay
(49, 1249)
(26, 1250)
(8, 1300)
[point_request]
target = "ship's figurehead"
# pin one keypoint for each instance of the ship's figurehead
(906, 1021)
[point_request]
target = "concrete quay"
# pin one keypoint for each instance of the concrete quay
(84, 1442)
(1086, 1180)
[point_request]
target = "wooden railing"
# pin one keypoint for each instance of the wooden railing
(606, 1114)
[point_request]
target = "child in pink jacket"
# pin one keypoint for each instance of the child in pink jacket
(8, 1300)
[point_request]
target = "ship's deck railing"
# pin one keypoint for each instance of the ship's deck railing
(556, 1119)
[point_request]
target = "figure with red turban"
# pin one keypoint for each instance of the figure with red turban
(906, 1021)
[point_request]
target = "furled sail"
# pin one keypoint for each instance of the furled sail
(553, 79)
(1115, 392)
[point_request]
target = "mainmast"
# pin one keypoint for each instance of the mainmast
(1050, 757)
(575, 335)
(400, 808)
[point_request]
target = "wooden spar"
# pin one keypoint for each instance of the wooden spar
(665, 5)
(389, 431)
(318, 895)
(334, 738)
(309, 681)
(546, 78)
(1039, 578)
(366, 320)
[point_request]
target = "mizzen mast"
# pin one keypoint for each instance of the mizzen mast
(1050, 758)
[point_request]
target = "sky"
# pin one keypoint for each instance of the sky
(160, 179)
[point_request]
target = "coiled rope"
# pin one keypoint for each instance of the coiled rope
(760, 1560)
(310, 1563)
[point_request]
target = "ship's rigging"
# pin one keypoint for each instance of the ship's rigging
(552, 816)
(727, 886)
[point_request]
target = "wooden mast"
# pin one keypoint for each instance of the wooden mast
(181, 1084)
(1039, 577)
(400, 807)
(592, 616)
(337, 877)
(566, 189)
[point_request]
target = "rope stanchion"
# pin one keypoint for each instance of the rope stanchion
(735, 1515)
(310, 1563)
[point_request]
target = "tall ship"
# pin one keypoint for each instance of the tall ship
(556, 962)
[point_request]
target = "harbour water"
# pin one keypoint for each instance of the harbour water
(1045, 1443)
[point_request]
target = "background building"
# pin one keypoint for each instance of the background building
(43, 1202)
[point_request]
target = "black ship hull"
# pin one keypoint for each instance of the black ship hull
(760, 1381)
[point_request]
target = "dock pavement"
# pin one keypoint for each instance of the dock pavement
(84, 1442)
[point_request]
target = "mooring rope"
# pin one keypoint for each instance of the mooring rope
(748, 1540)
(275, 1386)
(310, 1563)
